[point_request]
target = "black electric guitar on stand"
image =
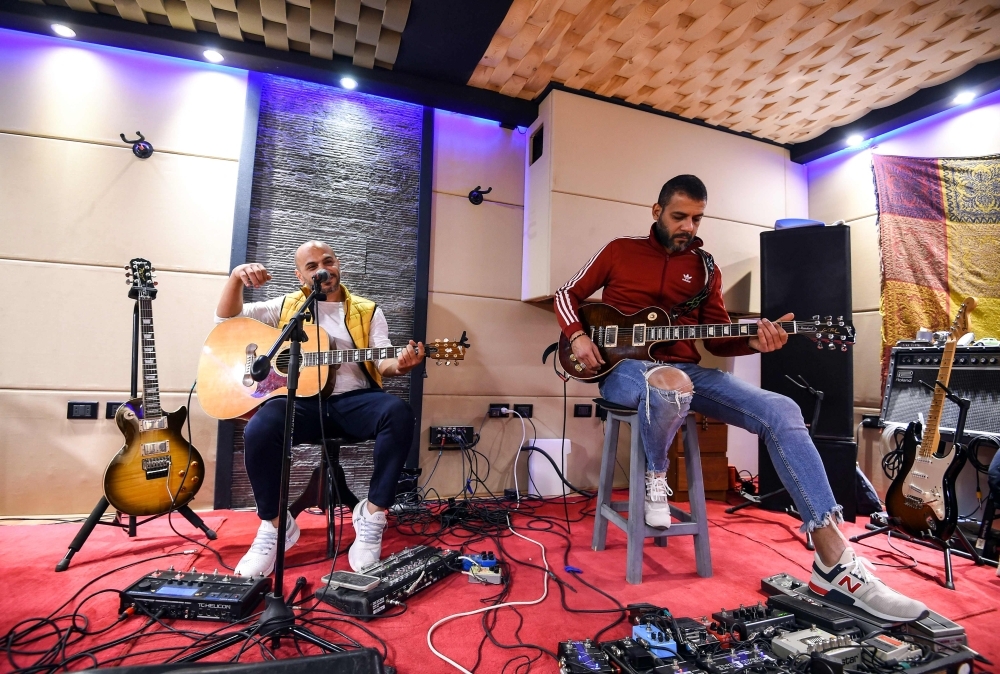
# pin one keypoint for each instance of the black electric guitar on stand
(156, 470)
(619, 336)
(922, 498)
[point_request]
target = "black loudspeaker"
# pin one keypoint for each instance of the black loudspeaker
(975, 375)
(359, 661)
(807, 271)
(840, 458)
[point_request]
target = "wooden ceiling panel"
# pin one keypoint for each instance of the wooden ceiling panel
(366, 30)
(786, 70)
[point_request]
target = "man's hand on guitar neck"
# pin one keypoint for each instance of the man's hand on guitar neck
(585, 350)
(770, 336)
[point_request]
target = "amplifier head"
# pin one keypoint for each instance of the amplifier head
(975, 375)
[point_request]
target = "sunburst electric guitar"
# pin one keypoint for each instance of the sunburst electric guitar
(227, 391)
(156, 470)
(619, 336)
(922, 498)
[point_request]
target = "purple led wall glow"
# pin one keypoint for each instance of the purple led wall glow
(944, 134)
(139, 60)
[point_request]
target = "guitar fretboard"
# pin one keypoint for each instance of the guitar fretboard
(675, 332)
(929, 443)
(147, 355)
(312, 359)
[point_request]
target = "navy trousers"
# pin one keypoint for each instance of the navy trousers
(362, 414)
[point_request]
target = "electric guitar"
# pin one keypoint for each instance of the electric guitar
(226, 390)
(619, 336)
(156, 470)
(922, 498)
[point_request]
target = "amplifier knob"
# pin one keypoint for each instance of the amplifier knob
(961, 361)
(920, 360)
(992, 361)
(972, 360)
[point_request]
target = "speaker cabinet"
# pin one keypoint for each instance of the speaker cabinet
(840, 459)
(807, 271)
(975, 375)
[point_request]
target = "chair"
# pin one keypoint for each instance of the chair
(323, 488)
(694, 523)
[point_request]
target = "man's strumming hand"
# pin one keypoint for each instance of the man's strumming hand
(586, 351)
(770, 336)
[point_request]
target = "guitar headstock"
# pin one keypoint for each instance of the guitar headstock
(448, 351)
(828, 332)
(139, 276)
(963, 319)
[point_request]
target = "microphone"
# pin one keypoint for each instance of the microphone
(322, 276)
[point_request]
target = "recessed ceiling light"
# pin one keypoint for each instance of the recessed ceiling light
(348, 83)
(965, 97)
(213, 56)
(63, 31)
(855, 139)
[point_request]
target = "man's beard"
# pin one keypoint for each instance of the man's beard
(675, 243)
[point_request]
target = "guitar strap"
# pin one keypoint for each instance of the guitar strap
(685, 308)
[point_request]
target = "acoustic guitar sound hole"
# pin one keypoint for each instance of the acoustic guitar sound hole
(281, 361)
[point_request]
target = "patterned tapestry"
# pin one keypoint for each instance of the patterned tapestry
(939, 242)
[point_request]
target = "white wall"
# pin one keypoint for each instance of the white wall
(841, 187)
(77, 206)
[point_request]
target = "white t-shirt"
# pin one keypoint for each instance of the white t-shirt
(331, 318)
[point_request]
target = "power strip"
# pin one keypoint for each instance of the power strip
(448, 437)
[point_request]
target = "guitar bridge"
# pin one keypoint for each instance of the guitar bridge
(155, 468)
(251, 357)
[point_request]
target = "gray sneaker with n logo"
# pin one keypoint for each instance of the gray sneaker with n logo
(852, 582)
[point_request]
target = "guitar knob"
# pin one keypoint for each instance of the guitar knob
(181, 473)
(578, 367)
(573, 358)
(194, 480)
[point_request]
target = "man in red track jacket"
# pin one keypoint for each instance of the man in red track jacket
(669, 269)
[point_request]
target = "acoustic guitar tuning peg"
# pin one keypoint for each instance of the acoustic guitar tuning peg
(815, 317)
(819, 345)
(843, 347)
(438, 363)
(831, 346)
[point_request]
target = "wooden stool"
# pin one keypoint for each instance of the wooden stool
(694, 523)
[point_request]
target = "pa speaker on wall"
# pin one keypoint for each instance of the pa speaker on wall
(807, 271)
(840, 459)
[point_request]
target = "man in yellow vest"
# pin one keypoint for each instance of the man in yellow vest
(358, 407)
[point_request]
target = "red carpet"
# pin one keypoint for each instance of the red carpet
(745, 547)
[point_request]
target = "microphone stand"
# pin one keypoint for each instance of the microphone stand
(278, 620)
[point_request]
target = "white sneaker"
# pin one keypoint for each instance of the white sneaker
(368, 528)
(852, 581)
(657, 508)
(260, 558)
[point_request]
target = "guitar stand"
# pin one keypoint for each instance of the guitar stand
(102, 506)
(278, 619)
(933, 541)
(818, 395)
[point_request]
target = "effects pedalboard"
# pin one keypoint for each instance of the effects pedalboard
(190, 595)
(795, 632)
(399, 576)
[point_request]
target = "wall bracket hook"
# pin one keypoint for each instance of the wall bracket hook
(141, 147)
(476, 195)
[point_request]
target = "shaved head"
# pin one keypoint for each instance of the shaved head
(303, 252)
(311, 257)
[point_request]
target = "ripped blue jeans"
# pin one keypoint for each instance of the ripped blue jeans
(774, 418)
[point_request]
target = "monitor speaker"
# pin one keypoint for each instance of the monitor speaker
(807, 271)
(840, 459)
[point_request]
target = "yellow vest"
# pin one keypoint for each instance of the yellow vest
(358, 312)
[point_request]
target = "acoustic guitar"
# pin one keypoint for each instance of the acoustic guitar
(621, 336)
(156, 470)
(227, 391)
(922, 499)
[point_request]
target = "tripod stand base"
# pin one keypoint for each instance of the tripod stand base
(277, 621)
(935, 543)
(95, 518)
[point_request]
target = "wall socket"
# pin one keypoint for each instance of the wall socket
(495, 412)
(583, 410)
(524, 410)
(871, 421)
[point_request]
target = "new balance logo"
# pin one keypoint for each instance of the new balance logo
(851, 587)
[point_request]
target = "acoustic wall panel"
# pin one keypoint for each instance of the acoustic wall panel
(68, 90)
(52, 465)
(475, 250)
(95, 204)
(84, 342)
(469, 151)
